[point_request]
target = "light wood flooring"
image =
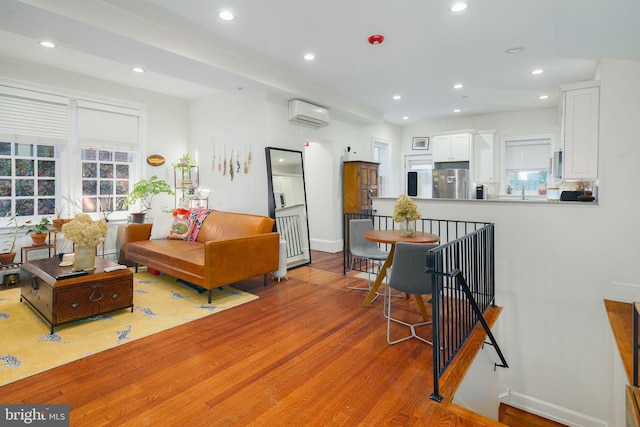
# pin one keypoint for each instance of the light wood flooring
(306, 353)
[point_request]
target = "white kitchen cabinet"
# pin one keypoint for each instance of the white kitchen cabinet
(485, 164)
(452, 148)
(580, 131)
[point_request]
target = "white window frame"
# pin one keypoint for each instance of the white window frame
(68, 140)
(549, 138)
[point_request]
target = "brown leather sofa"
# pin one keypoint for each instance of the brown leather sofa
(229, 247)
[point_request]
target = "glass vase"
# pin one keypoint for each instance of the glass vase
(406, 228)
(84, 258)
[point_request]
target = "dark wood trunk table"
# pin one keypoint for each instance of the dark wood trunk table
(66, 300)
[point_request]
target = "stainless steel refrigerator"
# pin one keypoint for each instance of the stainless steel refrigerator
(450, 184)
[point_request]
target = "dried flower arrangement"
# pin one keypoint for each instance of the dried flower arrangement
(405, 209)
(84, 231)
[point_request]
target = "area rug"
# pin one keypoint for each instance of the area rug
(160, 303)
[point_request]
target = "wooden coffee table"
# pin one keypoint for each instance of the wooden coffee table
(66, 300)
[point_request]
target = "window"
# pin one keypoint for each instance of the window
(105, 180)
(527, 164)
(27, 179)
(381, 155)
(42, 164)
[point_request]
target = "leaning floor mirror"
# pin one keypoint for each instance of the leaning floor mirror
(288, 203)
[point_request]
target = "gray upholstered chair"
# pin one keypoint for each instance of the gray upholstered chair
(407, 274)
(362, 248)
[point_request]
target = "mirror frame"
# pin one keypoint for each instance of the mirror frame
(269, 154)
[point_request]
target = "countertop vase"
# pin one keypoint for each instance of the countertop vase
(406, 228)
(84, 258)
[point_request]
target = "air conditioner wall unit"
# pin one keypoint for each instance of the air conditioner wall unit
(309, 114)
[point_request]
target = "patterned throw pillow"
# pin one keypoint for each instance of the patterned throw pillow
(181, 229)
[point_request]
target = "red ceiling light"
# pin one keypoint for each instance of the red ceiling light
(376, 39)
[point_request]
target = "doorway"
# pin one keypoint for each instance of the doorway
(422, 166)
(322, 190)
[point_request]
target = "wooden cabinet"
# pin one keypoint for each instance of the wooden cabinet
(360, 185)
(452, 148)
(485, 158)
(580, 131)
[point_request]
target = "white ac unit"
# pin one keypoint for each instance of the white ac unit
(309, 114)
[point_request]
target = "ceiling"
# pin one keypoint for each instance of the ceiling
(187, 51)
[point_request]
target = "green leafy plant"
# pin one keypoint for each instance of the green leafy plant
(145, 191)
(185, 162)
(43, 226)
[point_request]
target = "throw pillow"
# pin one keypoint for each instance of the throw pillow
(161, 226)
(181, 229)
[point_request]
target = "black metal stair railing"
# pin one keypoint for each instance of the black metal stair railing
(463, 269)
(463, 274)
(636, 346)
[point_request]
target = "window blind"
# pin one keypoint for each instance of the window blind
(32, 118)
(528, 155)
(112, 128)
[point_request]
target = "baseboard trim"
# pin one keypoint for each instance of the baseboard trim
(330, 246)
(623, 291)
(549, 410)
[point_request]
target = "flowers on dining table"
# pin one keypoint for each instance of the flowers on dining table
(405, 209)
(84, 231)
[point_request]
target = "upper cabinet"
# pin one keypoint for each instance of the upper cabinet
(581, 111)
(452, 148)
(485, 165)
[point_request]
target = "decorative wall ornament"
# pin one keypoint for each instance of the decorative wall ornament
(155, 160)
(233, 165)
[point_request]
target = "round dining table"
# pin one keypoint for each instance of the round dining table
(391, 237)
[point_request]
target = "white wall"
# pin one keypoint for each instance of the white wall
(543, 121)
(555, 264)
(235, 121)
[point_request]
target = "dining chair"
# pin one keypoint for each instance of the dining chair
(364, 249)
(407, 274)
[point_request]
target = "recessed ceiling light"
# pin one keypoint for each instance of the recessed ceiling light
(397, 97)
(457, 86)
(516, 49)
(405, 118)
(309, 56)
(537, 71)
(48, 44)
(138, 69)
(457, 110)
(459, 6)
(225, 15)
(543, 97)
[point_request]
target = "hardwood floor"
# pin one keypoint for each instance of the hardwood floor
(305, 353)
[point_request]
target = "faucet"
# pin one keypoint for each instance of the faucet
(523, 192)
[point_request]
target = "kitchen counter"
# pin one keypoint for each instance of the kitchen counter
(510, 200)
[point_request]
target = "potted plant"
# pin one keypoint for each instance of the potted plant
(9, 241)
(145, 191)
(38, 231)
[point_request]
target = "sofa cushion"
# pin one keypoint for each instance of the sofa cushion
(221, 225)
(161, 225)
(181, 229)
(180, 254)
